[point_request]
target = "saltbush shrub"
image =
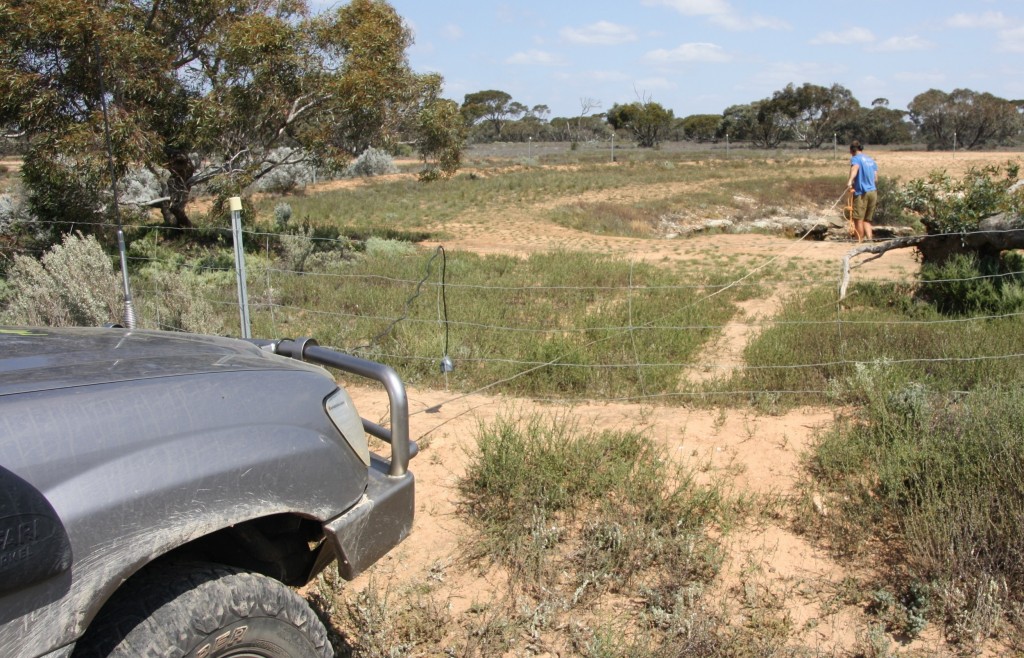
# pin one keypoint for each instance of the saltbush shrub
(172, 292)
(385, 248)
(140, 186)
(282, 215)
(287, 177)
(72, 284)
(372, 162)
(296, 247)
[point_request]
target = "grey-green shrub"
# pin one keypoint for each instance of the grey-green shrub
(286, 177)
(372, 162)
(282, 215)
(172, 293)
(179, 301)
(296, 247)
(385, 248)
(72, 284)
(14, 210)
(140, 186)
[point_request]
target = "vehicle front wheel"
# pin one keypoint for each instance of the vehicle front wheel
(205, 611)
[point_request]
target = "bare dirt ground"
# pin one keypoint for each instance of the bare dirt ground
(767, 562)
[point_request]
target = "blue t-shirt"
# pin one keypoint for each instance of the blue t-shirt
(865, 180)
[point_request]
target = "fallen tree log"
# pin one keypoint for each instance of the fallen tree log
(994, 235)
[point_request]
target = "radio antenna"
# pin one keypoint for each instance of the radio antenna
(129, 308)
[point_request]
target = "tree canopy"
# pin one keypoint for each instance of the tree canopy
(813, 113)
(218, 92)
(969, 118)
(648, 121)
(492, 106)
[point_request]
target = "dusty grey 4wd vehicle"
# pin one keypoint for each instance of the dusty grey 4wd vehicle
(159, 492)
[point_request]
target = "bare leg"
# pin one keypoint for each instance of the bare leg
(866, 231)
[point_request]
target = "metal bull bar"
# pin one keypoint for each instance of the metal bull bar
(402, 448)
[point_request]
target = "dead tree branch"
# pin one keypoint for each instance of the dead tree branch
(994, 234)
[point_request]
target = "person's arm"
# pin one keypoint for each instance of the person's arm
(853, 175)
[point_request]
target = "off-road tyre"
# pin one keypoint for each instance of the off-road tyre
(204, 611)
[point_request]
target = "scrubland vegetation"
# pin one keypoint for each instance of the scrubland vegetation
(609, 546)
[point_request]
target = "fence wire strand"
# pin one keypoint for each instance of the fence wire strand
(275, 276)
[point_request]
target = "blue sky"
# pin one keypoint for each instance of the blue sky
(700, 56)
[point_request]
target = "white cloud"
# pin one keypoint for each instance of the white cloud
(689, 52)
(1012, 41)
(848, 37)
(903, 44)
(452, 32)
(536, 58)
(720, 13)
(989, 19)
(602, 33)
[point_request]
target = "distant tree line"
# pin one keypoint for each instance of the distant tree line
(810, 115)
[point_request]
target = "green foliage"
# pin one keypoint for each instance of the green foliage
(891, 209)
(73, 284)
(296, 247)
(64, 192)
(174, 294)
(877, 125)
(905, 614)
(286, 170)
(948, 205)
(883, 335)
(968, 284)
(814, 113)
(764, 123)
(648, 121)
(442, 137)
(203, 91)
(702, 127)
(491, 107)
(282, 215)
(964, 118)
(384, 248)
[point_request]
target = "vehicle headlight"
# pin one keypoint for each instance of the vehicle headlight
(343, 414)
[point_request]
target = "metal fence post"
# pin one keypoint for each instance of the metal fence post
(243, 295)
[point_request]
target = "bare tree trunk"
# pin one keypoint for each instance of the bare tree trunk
(994, 235)
(181, 168)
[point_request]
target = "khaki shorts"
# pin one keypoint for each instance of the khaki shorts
(864, 206)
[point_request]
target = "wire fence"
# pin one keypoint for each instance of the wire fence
(554, 330)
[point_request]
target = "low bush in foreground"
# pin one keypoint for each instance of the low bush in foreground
(938, 480)
(578, 518)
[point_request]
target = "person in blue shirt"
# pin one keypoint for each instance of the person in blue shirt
(863, 183)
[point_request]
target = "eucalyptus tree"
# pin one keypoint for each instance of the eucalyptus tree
(813, 112)
(219, 92)
(648, 121)
(964, 118)
(492, 107)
